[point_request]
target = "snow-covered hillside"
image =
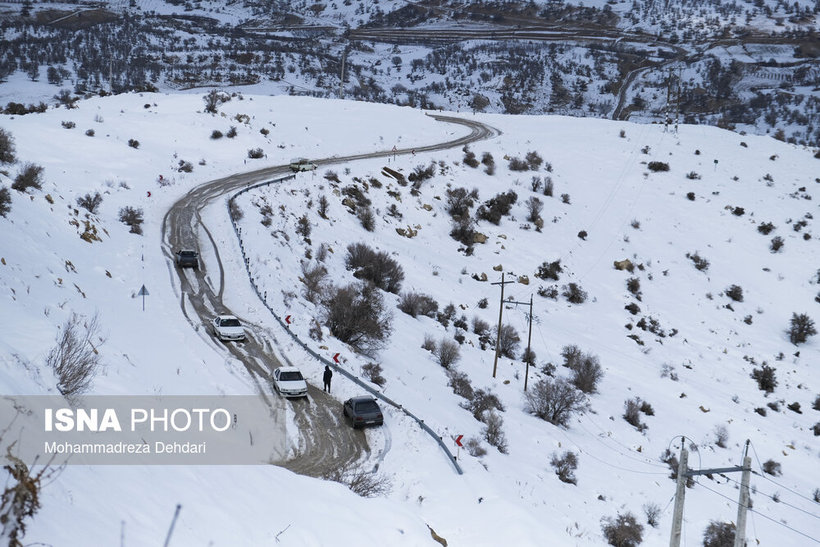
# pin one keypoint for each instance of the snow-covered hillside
(693, 370)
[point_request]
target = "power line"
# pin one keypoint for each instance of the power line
(763, 475)
(762, 515)
(776, 500)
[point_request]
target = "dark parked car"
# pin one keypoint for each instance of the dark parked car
(363, 411)
(188, 259)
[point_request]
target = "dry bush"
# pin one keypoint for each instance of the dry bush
(585, 367)
(447, 353)
(30, 176)
(534, 208)
(801, 326)
(7, 151)
(373, 372)
(565, 466)
(5, 201)
(314, 279)
(356, 315)
(772, 468)
(90, 203)
(132, 217)
(653, 512)
(574, 293)
(256, 153)
(632, 413)
(622, 531)
(377, 267)
(765, 377)
(719, 534)
(554, 400)
(508, 341)
(366, 218)
(459, 201)
(415, 304)
(460, 383)
(429, 343)
(75, 359)
(735, 292)
(495, 208)
(360, 482)
(235, 211)
(20, 499)
(549, 270)
(721, 435)
(482, 402)
(474, 448)
(494, 432)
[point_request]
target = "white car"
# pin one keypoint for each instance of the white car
(302, 164)
(288, 381)
(228, 327)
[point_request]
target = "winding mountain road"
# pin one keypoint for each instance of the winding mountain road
(324, 443)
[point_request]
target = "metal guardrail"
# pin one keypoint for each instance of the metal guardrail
(355, 379)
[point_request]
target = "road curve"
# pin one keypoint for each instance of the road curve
(324, 443)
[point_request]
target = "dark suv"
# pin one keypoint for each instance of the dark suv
(187, 259)
(363, 411)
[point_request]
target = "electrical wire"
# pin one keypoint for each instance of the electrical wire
(772, 497)
(761, 514)
(582, 451)
(763, 475)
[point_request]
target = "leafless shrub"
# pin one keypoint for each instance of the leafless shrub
(481, 402)
(5, 201)
(671, 460)
(585, 367)
(508, 341)
(303, 227)
(373, 372)
(534, 208)
(256, 153)
(494, 432)
(314, 279)
(474, 448)
(30, 176)
(447, 353)
(632, 410)
(322, 207)
(460, 383)
(773, 468)
(429, 343)
(90, 203)
(721, 435)
(554, 400)
(549, 270)
(377, 267)
(653, 512)
(331, 176)
(480, 327)
(801, 326)
(735, 292)
(719, 534)
(131, 216)
(360, 482)
(565, 466)
(75, 359)
(574, 293)
(20, 500)
(355, 314)
(235, 211)
(459, 201)
(415, 304)
(7, 151)
(622, 531)
(700, 263)
(366, 218)
(765, 377)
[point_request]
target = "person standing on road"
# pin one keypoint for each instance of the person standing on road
(326, 378)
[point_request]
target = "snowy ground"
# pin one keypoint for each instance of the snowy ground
(48, 272)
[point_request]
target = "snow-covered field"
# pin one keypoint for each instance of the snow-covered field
(48, 272)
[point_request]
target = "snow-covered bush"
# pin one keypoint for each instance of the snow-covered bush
(415, 304)
(494, 430)
(75, 358)
(622, 531)
(132, 216)
(447, 353)
(7, 151)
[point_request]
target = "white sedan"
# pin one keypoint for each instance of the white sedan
(288, 381)
(228, 327)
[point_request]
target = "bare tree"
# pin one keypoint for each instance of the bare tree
(494, 432)
(447, 352)
(75, 359)
(313, 277)
(6, 147)
(555, 400)
(212, 101)
(356, 315)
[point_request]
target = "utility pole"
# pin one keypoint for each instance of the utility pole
(666, 115)
(743, 504)
(680, 494)
(529, 336)
(500, 312)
